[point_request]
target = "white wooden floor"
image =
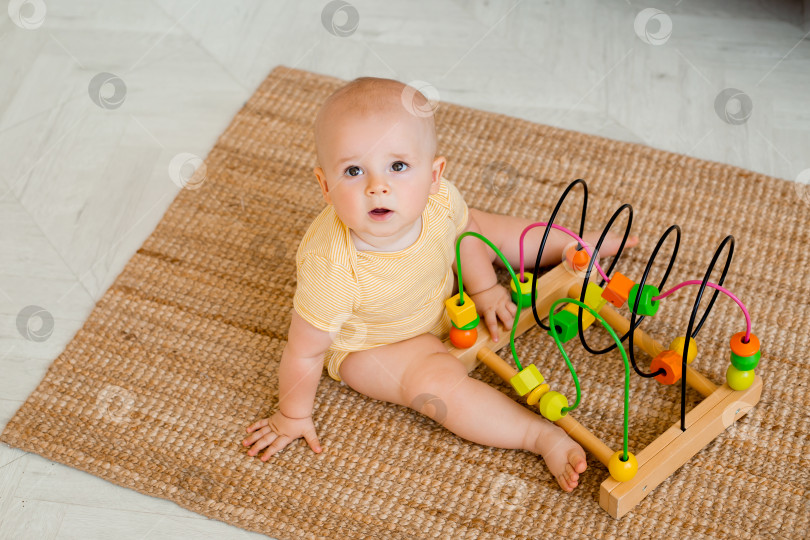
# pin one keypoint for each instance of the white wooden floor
(97, 98)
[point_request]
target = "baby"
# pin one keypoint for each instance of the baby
(374, 270)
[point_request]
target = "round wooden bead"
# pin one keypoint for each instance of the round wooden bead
(739, 380)
(551, 405)
(677, 346)
(463, 339)
(537, 393)
(622, 471)
(577, 259)
(744, 349)
(745, 363)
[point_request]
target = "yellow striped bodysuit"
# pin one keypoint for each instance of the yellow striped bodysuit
(366, 299)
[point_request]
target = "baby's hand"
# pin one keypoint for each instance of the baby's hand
(277, 432)
(611, 243)
(493, 304)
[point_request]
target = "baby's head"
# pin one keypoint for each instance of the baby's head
(377, 163)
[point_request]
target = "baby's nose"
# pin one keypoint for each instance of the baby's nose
(376, 186)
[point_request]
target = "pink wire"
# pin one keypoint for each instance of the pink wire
(660, 296)
(569, 233)
(722, 290)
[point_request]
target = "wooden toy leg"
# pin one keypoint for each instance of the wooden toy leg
(661, 458)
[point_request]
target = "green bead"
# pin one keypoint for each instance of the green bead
(739, 380)
(646, 305)
(745, 363)
(566, 325)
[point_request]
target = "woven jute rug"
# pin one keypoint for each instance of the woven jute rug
(180, 354)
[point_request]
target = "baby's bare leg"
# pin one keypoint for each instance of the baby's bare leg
(419, 373)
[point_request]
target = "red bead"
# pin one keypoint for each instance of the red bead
(463, 339)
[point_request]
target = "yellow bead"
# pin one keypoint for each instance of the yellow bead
(622, 471)
(527, 380)
(677, 346)
(461, 315)
(739, 380)
(551, 405)
(593, 296)
(587, 318)
(537, 393)
(593, 299)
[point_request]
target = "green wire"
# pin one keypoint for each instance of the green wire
(514, 278)
(607, 327)
(553, 331)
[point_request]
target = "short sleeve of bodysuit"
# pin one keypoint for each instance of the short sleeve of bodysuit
(326, 292)
(459, 213)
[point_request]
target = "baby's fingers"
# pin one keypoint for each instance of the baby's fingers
(278, 445)
(491, 318)
(257, 425)
(507, 315)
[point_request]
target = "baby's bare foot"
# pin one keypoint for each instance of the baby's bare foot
(563, 456)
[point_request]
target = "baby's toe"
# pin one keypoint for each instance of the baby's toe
(576, 460)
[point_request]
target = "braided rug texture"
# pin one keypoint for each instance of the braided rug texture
(180, 354)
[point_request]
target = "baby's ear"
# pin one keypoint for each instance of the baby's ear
(319, 174)
(438, 170)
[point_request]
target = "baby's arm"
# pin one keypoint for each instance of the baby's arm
(298, 375)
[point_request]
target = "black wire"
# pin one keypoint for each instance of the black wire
(727, 240)
(660, 287)
(587, 277)
(545, 237)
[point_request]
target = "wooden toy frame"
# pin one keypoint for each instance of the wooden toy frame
(720, 408)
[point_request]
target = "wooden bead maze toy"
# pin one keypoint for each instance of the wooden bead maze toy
(569, 286)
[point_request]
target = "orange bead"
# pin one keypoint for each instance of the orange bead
(671, 362)
(744, 349)
(577, 259)
(618, 289)
(463, 339)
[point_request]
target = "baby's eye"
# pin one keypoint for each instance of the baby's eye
(399, 166)
(354, 170)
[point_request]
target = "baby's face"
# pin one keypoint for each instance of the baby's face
(378, 170)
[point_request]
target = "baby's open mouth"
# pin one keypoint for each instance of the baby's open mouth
(380, 214)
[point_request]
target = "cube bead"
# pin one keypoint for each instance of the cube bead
(618, 289)
(461, 315)
(587, 318)
(526, 380)
(552, 404)
(677, 346)
(671, 362)
(566, 324)
(646, 304)
(525, 291)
